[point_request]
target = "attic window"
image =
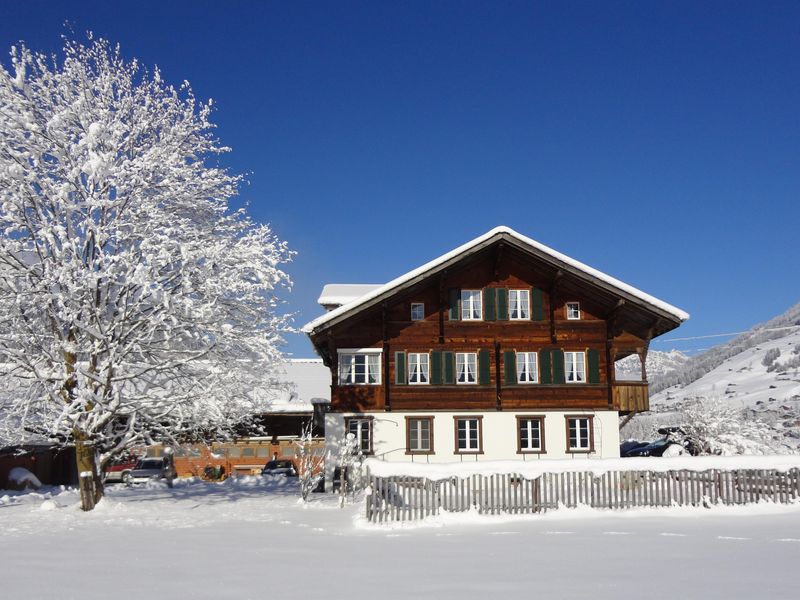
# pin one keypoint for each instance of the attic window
(417, 311)
(573, 311)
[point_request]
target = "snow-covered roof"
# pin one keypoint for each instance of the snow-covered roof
(544, 252)
(308, 383)
(339, 294)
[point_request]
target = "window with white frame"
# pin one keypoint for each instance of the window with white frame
(573, 311)
(471, 305)
(466, 367)
(531, 434)
(418, 368)
(527, 370)
(359, 367)
(468, 434)
(417, 311)
(419, 434)
(519, 304)
(361, 428)
(575, 367)
(580, 437)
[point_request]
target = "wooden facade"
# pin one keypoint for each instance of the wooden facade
(613, 323)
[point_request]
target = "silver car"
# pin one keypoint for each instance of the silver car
(154, 469)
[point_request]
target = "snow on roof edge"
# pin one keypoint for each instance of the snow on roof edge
(652, 300)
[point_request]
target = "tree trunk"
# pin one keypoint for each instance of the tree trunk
(89, 482)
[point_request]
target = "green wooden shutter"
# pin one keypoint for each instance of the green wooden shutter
(537, 305)
(510, 366)
(545, 372)
(449, 367)
(593, 362)
(489, 304)
(436, 367)
(400, 368)
(455, 304)
(558, 366)
(484, 366)
(502, 304)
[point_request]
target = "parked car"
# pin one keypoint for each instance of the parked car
(119, 469)
(280, 467)
(154, 469)
(674, 443)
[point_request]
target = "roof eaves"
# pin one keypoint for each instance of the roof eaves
(545, 252)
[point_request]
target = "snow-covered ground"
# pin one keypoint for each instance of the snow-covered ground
(252, 539)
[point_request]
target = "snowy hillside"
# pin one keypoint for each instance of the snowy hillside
(657, 364)
(758, 371)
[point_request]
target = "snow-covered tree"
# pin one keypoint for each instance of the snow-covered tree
(310, 461)
(718, 427)
(135, 304)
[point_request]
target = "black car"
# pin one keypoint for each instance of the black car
(674, 443)
(280, 467)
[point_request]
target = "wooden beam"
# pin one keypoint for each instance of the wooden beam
(627, 419)
(442, 304)
(552, 301)
(498, 256)
(387, 400)
(499, 405)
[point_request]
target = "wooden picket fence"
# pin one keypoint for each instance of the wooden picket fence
(406, 498)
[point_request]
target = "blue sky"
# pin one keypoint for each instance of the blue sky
(658, 142)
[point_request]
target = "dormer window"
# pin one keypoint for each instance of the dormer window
(417, 311)
(573, 311)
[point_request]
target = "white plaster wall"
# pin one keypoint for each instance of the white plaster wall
(499, 436)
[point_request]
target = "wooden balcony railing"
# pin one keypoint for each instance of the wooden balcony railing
(631, 396)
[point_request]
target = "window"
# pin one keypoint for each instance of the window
(466, 367)
(419, 435)
(418, 372)
(417, 311)
(575, 367)
(471, 307)
(360, 366)
(519, 304)
(530, 434)
(527, 370)
(580, 434)
(361, 428)
(469, 436)
(573, 311)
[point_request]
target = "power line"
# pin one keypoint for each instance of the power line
(716, 335)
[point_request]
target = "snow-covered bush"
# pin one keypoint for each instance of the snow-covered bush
(717, 427)
(135, 305)
(770, 356)
(310, 462)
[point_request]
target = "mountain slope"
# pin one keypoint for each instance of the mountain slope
(759, 371)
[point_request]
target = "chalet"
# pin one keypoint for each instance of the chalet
(501, 349)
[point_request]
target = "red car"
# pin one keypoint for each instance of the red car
(119, 469)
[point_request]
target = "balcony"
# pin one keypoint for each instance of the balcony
(631, 396)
